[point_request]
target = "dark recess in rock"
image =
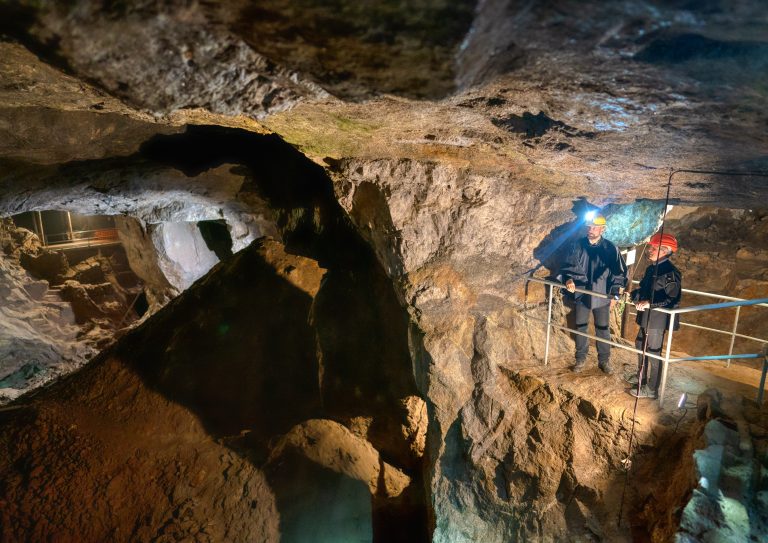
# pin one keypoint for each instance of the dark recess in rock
(533, 126)
(685, 47)
(216, 237)
(141, 305)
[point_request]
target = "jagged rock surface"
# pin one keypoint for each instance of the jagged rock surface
(555, 102)
(728, 502)
(48, 332)
(165, 390)
(38, 339)
(125, 453)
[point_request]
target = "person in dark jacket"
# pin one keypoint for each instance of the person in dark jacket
(660, 287)
(595, 264)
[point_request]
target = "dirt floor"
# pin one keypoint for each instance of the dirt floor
(742, 378)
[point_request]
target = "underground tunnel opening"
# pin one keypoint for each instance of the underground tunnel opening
(301, 336)
(72, 248)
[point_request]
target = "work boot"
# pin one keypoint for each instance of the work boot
(606, 367)
(645, 392)
(578, 367)
(631, 378)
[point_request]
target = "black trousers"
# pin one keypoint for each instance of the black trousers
(602, 330)
(651, 374)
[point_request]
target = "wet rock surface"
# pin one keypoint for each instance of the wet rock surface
(463, 142)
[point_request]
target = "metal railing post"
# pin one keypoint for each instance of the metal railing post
(665, 362)
(549, 325)
(70, 235)
(666, 358)
(42, 228)
(733, 334)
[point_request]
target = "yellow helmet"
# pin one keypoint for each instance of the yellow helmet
(593, 218)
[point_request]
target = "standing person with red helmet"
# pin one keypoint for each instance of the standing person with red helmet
(660, 287)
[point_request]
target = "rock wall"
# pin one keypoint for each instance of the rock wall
(546, 107)
(183, 254)
(459, 247)
(713, 261)
(143, 259)
(133, 430)
(126, 454)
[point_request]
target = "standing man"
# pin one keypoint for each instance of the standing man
(660, 287)
(595, 264)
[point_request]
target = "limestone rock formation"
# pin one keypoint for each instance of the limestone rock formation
(333, 446)
(728, 502)
(454, 144)
(55, 316)
(123, 451)
(239, 371)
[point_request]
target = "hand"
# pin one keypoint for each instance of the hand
(570, 285)
(643, 305)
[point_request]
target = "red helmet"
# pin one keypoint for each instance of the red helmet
(665, 240)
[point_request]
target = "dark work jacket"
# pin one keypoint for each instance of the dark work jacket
(598, 267)
(665, 293)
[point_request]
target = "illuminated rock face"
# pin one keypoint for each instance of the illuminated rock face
(463, 141)
(185, 256)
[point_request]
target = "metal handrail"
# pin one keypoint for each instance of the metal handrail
(761, 302)
(79, 236)
(609, 342)
(708, 294)
(717, 330)
(715, 357)
(673, 313)
(70, 235)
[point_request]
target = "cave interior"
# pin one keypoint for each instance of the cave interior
(282, 270)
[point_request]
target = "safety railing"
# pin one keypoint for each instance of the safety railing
(666, 358)
(80, 237)
(733, 333)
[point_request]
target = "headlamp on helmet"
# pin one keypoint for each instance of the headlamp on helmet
(593, 218)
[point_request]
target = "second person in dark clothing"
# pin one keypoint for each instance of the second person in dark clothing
(660, 287)
(594, 263)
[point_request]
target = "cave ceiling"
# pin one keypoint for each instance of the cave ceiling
(573, 99)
